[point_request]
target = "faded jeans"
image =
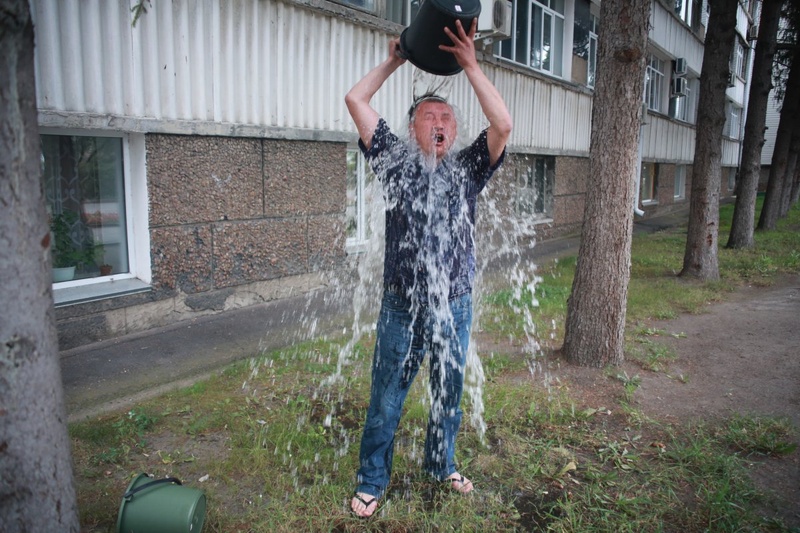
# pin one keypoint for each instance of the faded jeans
(405, 335)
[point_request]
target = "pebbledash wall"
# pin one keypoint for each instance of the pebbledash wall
(233, 222)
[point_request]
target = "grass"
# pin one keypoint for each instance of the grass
(275, 442)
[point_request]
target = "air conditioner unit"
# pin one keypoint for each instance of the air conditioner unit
(495, 19)
(681, 66)
(680, 87)
(752, 33)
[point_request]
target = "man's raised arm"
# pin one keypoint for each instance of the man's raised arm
(359, 97)
(492, 104)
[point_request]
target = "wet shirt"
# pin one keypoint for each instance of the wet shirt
(430, 213)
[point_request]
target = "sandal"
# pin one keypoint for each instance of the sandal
(367, 504)
(459, 483)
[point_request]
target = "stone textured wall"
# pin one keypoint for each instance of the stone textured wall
(233, 222)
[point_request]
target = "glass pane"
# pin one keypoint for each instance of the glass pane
(351, 209)
(536, 57)
(520, 32)
(84, 186)
(557, 44)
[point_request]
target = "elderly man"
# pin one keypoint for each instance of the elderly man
(431, 190)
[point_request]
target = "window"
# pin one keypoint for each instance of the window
(738, 63)
(732, 178)
(648, 190)
(366, 5)
(402, 11)
(733, 115)
(680, 182)
(359, 179)
(653, 83)
(683, 107)
(535, 179)
(584, 44)
(683, 8)
(538, 36)
(86, 190)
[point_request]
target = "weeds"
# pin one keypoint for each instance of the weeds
(275, 447)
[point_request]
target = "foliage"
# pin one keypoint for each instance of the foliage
(67, 251)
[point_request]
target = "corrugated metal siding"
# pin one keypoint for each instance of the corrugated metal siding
(670, 34)
(667, 140)
(254, 63)
(773, 121)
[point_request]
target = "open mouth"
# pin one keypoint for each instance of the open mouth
(438, 138)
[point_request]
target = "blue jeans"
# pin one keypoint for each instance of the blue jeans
(405, 333)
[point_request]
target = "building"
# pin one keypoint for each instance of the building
(205, 153)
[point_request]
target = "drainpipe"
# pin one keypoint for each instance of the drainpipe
(638, 176)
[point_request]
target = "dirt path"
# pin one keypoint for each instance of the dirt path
(741, 356)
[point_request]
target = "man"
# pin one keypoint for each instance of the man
(429, 265)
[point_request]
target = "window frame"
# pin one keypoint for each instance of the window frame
(654, 79)
(652, 190)
(510, 48)
(679, 185)
(139, 275)
(362, 236)
(527, 166)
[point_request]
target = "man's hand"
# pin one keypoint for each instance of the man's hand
(463, 44)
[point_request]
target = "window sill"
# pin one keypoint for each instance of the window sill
(98, 291)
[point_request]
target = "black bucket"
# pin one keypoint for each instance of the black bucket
(419, 43)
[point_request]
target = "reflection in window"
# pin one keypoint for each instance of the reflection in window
(679, 192)
(653, 83)
(584, 42)
(535, 179)
(84, 187)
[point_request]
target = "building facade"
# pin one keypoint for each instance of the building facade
(202, 159)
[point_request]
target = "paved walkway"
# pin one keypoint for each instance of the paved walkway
(118, 373)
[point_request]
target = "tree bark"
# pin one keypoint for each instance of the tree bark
(788, 176)
(744, 213)
(790, 115)
(36, 490)
(595, 324)
(700, 259)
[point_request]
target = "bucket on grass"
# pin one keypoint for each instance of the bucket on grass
(161, 506)
(419, 43)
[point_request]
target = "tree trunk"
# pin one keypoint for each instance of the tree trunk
(36, 490)
(595, 325)
(700, 258)
(744, 213)
(788, 176)
(790, 115)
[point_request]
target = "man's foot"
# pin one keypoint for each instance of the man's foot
(459, 483)
(363, 504)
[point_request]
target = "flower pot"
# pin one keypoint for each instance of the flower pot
(105, 270)
(63, 274)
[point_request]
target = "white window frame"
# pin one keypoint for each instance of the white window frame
(549, 9)
(652, 192)
(591, 64)
(738, 63)
(733, 118)
(529, 184)
(357, 242)
(139, 275)
(680, 182)
(684, 11)
(654, 83)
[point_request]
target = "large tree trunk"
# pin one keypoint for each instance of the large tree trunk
(744, 213)
(595, 325)
(700, 258)
(36, 491)
(790, 115)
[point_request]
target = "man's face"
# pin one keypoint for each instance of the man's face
(434, 128)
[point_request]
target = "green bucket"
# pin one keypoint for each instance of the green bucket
(161, 506)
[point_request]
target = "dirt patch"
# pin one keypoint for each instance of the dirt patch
(741, 356)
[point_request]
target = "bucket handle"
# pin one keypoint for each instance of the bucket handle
(129, 495)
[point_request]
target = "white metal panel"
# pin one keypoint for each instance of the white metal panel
(668, 33)
(772, 123)
(667, 140)
(207, 65)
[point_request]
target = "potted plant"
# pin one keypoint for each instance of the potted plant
(67, 253)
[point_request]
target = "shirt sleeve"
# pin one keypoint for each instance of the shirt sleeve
(476, 157)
